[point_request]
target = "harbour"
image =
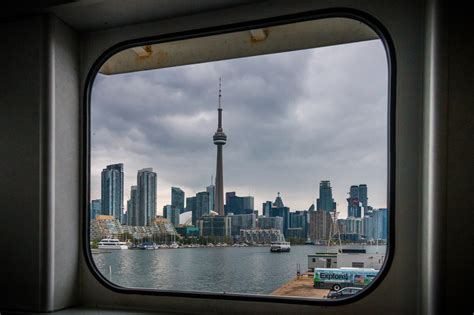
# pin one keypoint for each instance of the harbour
(246, 270)
(252, 270)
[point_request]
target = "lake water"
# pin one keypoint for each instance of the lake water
(221, 269)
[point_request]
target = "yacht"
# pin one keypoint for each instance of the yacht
(279, 247)
(112, 243)
(174, 245)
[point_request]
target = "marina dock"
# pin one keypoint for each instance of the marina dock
(301, 286)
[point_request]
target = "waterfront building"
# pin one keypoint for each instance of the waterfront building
(211, 191)
(159, 230)
(220, 139)
(266, 223)
(380, 218)
(320, 225)
(354, 225)
(368, 227)
(112, 190)
(325, 202)
(351, 237)
(146, 190)
(296, 233)
(177, 199)
(186, 218)
(187, 231)
(241, 221)
(171, 213)
(96, 207)
(341, 225)
(202, 206)
(261, 236)
(216, 226)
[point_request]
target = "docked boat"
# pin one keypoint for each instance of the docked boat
(148, 245)
(112, 243)
(280, 247)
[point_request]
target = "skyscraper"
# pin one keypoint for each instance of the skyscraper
(357, 199)
(219, 139)
(325, 202)
(211, 189)
(177, 199)
(171, 213)
(202, 206)
(146, 187)
(228, 195)
(279, 210)
(363, 197)
(191, 204)
(95, 208)
(112, 190)
(239, 205)
(266, 206)
(353, 203)
(132, 206)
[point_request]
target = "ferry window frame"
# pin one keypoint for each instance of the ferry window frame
(360, 16)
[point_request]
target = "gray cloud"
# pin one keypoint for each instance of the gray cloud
(292, 119)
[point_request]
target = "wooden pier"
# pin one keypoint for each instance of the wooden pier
(301, 286)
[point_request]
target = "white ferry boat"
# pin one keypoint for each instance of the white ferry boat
(279, 247)
(112, 243)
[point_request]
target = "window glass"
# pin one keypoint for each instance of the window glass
(253, 162)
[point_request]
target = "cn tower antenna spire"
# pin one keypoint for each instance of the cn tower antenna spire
(220, 94)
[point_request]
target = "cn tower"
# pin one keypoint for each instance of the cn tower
(219, 139)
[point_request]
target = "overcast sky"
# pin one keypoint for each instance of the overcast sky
(292, 119)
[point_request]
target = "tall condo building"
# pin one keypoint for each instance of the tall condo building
(220, 139)
(363, 197)
(357, 199)
(146, 188)
(202, 206)
(239, 205)
(112, 190)
(325, 202)
(191, 204)
(132, 206)
(171, 213)
(211, 189)
(177, 199)
(266, 206)
(95, 208)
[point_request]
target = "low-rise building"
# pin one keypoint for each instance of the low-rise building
(261, 236)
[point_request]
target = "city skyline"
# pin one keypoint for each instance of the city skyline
(262, 112)
(324, 188)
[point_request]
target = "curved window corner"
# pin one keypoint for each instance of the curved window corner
(254, 161)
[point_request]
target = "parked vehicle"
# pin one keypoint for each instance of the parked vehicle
(338, 278)
(344, 292)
